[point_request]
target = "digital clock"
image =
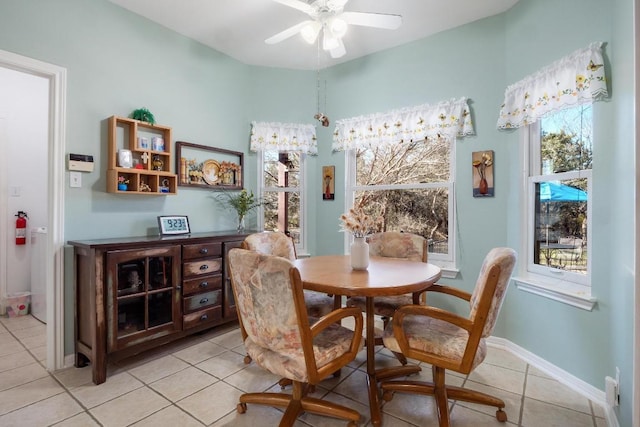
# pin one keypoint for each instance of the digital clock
(173, 224)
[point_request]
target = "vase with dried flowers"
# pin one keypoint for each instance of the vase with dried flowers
(360, 225)
(229, 172)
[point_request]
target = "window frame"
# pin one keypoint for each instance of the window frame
(553, 283)
(301, 247)
(447, 262)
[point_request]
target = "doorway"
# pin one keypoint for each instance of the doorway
(54, 260)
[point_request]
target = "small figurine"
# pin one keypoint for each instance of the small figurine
(322, 119)
(144, 187)
(157, 162)
(134, 281)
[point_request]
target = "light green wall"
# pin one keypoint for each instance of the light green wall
(588, 345)
(117, 62)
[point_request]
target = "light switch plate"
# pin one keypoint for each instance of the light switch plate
(75, 179)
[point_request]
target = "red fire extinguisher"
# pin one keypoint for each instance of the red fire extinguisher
(21, 228)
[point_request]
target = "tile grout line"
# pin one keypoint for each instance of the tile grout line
(524, 389)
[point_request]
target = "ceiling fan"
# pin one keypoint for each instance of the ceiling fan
(330, 17)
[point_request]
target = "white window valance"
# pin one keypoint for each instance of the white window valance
(284, 137)
(576, 79)
(448, 119)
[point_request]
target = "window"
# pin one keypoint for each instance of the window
(411, 186)
(282, 187)
(558, 205)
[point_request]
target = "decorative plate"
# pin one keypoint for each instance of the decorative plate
(210, 172)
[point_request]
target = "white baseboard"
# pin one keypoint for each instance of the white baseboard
(587, 390)
(69, 360)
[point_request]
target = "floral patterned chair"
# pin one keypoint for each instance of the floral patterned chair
(280, 338)
(279, 244)
(448, 341)
(393, 244)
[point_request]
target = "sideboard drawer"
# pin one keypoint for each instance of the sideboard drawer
(203, 300)
(201, 284)
(202, 250)
(198, 268)
(201, 317)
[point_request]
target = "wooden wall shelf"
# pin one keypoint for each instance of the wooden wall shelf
(153, 175)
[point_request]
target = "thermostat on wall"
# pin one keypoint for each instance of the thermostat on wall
(80, 162)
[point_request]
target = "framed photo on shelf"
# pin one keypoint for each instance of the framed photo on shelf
(157, 143)
(208, 167)
(173, 224)
(142, 143)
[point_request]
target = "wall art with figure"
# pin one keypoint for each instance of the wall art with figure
(328, 183)
(482, 171)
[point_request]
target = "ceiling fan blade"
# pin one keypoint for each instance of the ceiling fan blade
(296, 4)
(377, 20)
(289, 32)
(338, 51)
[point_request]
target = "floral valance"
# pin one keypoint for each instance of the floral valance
(284, 137)
(448, 120)
(576, 79)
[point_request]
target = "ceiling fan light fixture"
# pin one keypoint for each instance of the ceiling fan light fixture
(338, 27)
(329, 42)
(336, 4)
(310, 31)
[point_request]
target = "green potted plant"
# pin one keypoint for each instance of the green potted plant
(242, 202)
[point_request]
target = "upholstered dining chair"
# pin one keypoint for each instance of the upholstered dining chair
(279, 244)
(393, 244)
(270, 302)
(449, 341)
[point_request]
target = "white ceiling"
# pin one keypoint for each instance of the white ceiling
(238, 28)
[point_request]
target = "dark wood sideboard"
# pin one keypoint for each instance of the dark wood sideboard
(136, 293)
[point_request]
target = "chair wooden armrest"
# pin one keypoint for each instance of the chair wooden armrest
(335, 316)
(316, 373)
(433, 312)
(443, 289)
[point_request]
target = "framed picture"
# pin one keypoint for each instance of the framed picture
(208, 167)
(157, 143)
(173, 224)
(482, 171)
(328, 182)
(142, 143)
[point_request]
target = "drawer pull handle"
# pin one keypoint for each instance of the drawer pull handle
(204, 284)
(204, 317)
(204, 267)
(204, 300)
(204, 251)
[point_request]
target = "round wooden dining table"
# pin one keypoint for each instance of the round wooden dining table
(332, 274)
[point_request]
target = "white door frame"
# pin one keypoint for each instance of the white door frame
(57, 77)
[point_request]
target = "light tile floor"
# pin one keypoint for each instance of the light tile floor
(197, 381)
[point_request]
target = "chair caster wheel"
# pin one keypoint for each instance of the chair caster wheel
(247, 360)
(387, 396)
(284, 382)
(501, 416)
(241, 408)
(337, 374)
